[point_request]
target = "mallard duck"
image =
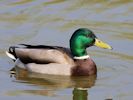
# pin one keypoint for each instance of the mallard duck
(57, 60)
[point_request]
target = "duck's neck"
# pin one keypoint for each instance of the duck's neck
(79, 53)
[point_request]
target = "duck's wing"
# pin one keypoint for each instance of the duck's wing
(41, 54)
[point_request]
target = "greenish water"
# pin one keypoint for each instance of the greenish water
(52, 22)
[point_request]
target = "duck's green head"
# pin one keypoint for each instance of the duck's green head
(83, 38)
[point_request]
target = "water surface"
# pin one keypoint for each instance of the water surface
(52, 22)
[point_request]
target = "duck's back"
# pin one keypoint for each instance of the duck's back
(42, 54)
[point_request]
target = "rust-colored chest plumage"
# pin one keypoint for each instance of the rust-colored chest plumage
(84, 67)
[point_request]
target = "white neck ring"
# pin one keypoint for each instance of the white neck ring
(82, 57)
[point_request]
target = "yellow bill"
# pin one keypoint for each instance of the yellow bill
(101, 44)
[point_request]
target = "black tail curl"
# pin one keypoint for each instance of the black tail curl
(12, 51)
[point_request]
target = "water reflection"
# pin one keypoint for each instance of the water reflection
(80, 94)
(52, 83)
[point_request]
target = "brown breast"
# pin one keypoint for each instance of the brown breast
(84, 67)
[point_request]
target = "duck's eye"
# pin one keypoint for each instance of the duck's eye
(90, 35)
